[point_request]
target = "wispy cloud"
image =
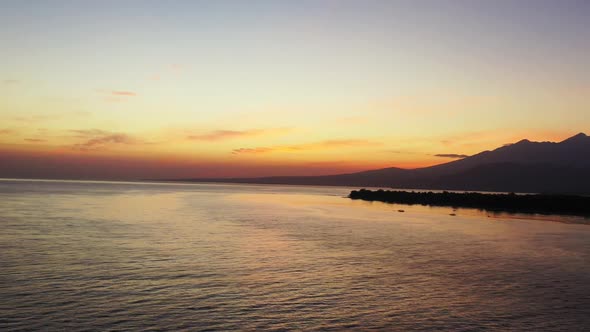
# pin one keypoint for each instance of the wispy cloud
(85, 133)
(6, 131)
(124, 93)
(401, 151)
(219, 135)
(117, 96)
(96, 139)
(10, 81)
(101, 142)
(117, 93)
(35, 140)
(251, 150)
(328, 144)
(451, 155)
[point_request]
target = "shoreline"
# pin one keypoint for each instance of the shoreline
(544, 204)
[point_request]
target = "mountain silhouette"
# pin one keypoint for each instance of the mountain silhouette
(525, 166)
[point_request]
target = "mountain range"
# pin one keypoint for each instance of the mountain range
(525, 166)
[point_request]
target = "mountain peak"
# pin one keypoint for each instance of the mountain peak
(581, 137)
(523, 141)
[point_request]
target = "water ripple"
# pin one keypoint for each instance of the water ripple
(96, 256)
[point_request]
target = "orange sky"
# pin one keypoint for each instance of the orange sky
(113, 91)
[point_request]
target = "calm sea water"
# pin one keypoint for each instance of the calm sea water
(131, 256)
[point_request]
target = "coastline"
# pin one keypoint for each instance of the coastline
(544, 204)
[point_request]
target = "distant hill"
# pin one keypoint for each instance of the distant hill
(524, 166)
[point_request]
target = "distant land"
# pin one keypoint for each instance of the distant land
(525, 166)
(529, 203)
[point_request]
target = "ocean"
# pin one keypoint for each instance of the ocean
(79, 256)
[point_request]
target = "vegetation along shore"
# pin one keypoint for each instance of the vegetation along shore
(527, 203)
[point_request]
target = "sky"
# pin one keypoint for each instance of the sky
(170, 89)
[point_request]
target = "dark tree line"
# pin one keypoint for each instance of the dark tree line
(538, 203)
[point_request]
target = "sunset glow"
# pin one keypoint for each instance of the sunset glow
(142, 89)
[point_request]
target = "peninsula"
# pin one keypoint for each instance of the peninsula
(513, 203)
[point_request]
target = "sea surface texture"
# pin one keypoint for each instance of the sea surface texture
(202, 257)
